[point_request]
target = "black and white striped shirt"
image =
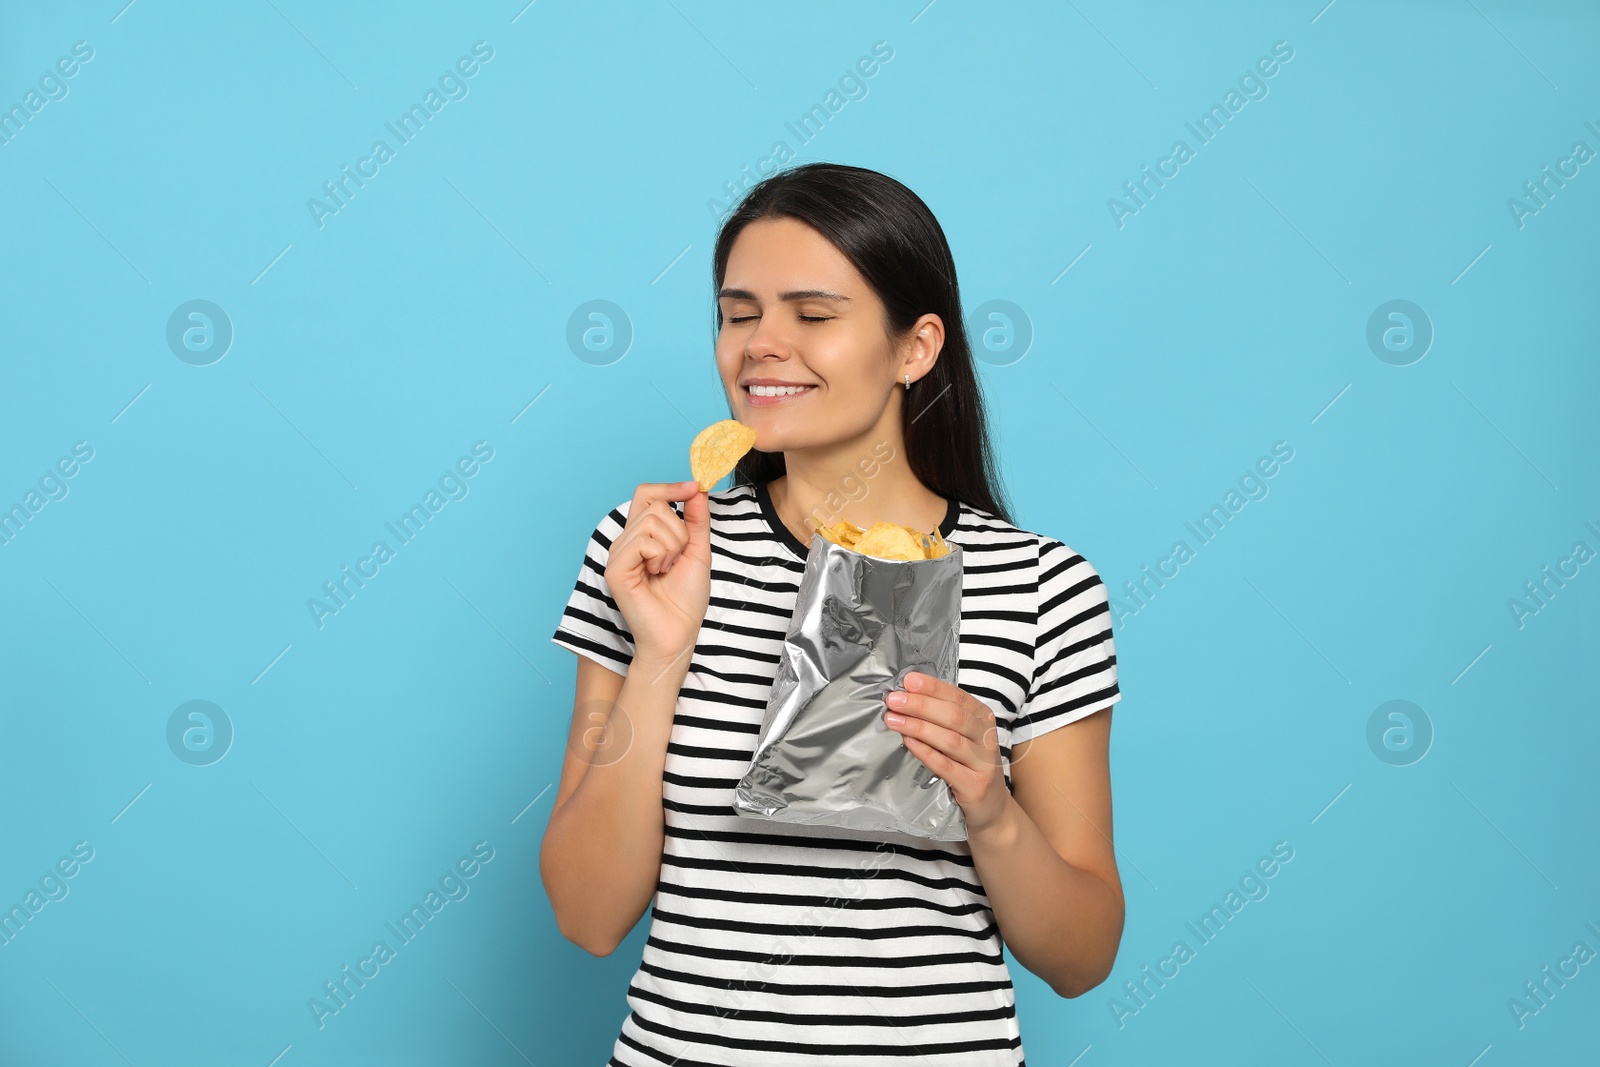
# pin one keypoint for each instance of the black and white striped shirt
(781, 945)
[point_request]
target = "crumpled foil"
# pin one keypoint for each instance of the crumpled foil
(824, 756)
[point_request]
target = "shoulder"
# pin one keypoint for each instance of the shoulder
(1059, 560)
(981, 533)
(1050, 562)
(977, 529)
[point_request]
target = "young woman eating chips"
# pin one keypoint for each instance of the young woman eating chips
(839, 341)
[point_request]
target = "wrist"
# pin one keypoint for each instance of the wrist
(1002, 832)
(661, 667)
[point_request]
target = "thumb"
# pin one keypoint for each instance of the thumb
(697, 517)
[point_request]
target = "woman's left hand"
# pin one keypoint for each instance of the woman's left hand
(953, 733)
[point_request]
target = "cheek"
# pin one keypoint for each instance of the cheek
(850, 361)
(728, 357)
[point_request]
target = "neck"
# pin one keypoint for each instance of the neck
(863, 484)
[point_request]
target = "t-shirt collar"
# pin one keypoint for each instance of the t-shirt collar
(782, 533)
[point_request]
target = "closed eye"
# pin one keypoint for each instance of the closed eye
(803, 318)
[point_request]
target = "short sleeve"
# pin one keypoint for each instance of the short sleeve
(1074, 659)
(591, 625)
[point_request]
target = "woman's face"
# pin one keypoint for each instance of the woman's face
(779, 322)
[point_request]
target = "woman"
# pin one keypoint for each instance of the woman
(840, 341)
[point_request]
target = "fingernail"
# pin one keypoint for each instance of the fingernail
(893, 718)
(896, 700)
(913, 681)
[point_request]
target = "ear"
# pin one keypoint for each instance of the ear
(921, 347)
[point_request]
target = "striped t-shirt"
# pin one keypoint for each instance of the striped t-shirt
(784, 945)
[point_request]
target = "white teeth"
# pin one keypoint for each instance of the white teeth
(777, 390)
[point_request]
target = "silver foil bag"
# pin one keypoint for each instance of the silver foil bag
(824, 756)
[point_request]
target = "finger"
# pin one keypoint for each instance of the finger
(648, 493)
(933, 686)
(938, 688)
(930, 709)
(955, 744)
(697, 523)
(689, 532)
(936, 761)
(655, 521)
(951, 716)
(651, 552)
(662, 523)
(664, 526)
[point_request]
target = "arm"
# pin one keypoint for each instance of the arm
(601, 854)
(600, 858)
(1047, 863)
(1042, 853)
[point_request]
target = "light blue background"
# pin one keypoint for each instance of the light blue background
(432, 310)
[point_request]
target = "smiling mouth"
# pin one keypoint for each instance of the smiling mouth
(775, 392)
(770, 395)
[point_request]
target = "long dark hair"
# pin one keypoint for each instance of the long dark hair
(896, 244)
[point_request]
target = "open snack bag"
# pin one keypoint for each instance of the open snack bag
(873, 605)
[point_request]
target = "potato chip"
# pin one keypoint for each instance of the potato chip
(885, 540)
(888, 540)
(843, 532)
(717, 449)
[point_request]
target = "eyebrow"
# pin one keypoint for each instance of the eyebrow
(793, 294)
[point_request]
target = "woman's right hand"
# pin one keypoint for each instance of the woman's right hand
(659, 569)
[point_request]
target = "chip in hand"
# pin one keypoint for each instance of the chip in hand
(717, 449)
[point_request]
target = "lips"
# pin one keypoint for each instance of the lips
(758, 400)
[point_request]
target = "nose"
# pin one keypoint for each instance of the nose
(767, 340)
